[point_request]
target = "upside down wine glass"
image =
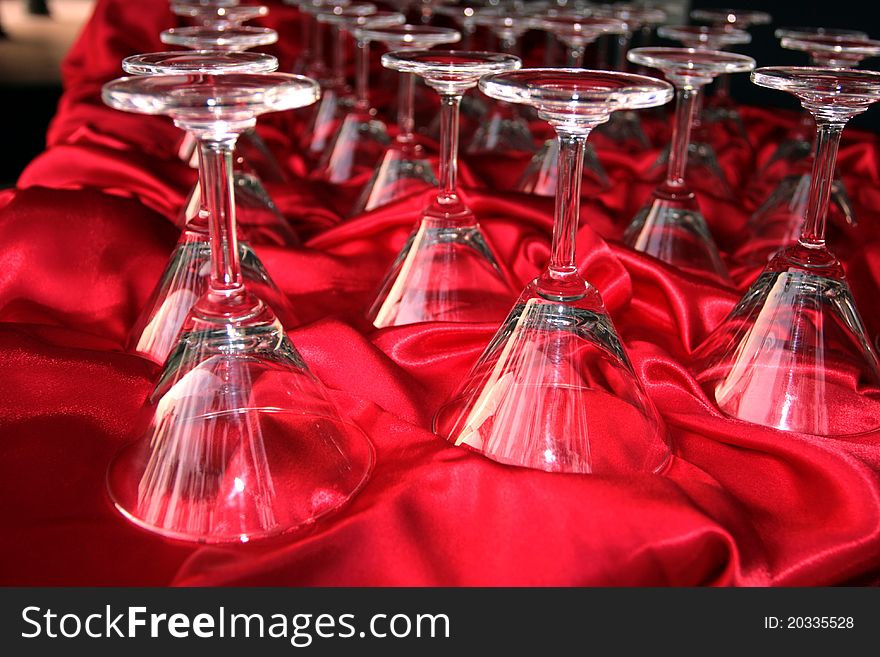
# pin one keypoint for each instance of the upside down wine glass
(720, 105)
(777, 221)
(221, 14)
(794, 354)
(626, 127)
(671, 227)
(326, 112)
(238, 440)
(576, 32)
(555, 389)
(503, 129)
(404, 168)
(446, 270)
(703, 158)
(799, 144)
(185, 278)
(360, 136)
(259, 217)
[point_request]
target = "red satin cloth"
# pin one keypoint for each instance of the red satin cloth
(87, 232)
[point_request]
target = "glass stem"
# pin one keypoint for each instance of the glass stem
(685, 107)
(576, 56)
(219, 199)
(827, 141)
(449, 106)
(568, 200)
(362, 101)
(405, 102)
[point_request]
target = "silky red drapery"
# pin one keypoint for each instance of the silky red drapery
(86, 233)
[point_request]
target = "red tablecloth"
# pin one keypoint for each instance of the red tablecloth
(89, 228)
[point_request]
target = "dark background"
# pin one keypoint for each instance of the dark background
(27, 109)
(765, 48)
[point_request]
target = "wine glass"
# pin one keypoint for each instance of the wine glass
(777, 221)
(799, 144)
(360, 136)
(576, 32)
(186, 275)
(403, 169)
(626, 127)
(793, 354)
(463, 14)
(720, 106)
(446, 270)
(239, 440)
(258, 214)
(504, 129)
(671, 227)
(326, 113)
(703, 159)
(555, 390)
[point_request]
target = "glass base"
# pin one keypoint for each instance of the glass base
(403, 170)
(357, 145)
(183, 282)
(238, 441)
(794, 354)
(446, 272)
(541, 176)
(504, 130)
(555, 391)
(259, 219)
(672, 229)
